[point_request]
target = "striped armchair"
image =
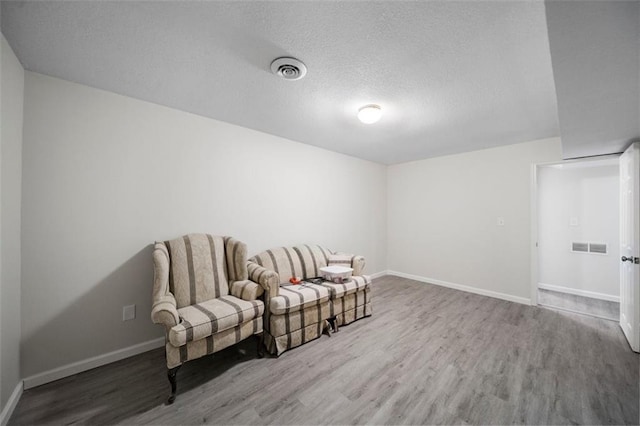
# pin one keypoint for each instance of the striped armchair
(297, 314)
(202, 297)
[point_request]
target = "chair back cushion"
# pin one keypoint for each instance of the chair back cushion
(341, 259)
(198, 268)
(302, 261)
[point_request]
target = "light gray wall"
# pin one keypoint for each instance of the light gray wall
(106, 175)
(592, 196)
(595, 54)
(442, 220)
(12, 96)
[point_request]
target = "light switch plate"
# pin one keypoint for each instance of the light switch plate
(128, 312)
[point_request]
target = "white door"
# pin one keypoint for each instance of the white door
(630, 245)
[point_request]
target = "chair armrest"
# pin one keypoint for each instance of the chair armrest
(163, 310)
(345, 259)
(246, 290)
(357, 264)
(268, 280)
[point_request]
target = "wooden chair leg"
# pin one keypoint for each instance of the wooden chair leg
(334, 324)
(327, 327)
(260, 337)
(171, 373)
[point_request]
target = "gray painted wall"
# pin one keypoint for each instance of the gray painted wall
(443, 218)
(105, 175)
(12, 91)
(595, 53)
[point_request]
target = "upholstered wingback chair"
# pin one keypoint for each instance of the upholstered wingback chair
(203, 298)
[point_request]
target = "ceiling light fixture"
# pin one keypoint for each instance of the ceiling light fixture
(288, 68)
(370, 114)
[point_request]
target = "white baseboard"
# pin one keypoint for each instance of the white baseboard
(578, 292)
(12, 402)
(378, 274)
(462, 287)
(93, 362)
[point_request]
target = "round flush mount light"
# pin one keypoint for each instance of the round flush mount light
(370, 114)
(288, 68)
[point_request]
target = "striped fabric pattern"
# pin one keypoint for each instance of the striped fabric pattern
(236, 254)
(293, 298)
(267, 279)
(164, 309)
(352, 315)
(246, 290)
(198, 268)
(294, 314)
(302, 261)
(192, 279)
(282, 325)
(351, 301)
(340, 259)
(358, 265)
(214, 343)
(357, 283)
(277, 345)
(213, 316)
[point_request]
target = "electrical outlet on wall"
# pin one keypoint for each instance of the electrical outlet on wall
(128, 312)
(573, 221)
(500, 221)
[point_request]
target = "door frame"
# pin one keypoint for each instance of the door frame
(533, 243)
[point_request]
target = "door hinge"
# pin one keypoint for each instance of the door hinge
(636, 260)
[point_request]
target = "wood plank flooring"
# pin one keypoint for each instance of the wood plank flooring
(580, 304)
(428, 355)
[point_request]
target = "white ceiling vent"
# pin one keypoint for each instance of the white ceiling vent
(288, 68)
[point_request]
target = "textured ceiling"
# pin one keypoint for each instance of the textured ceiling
(450, 76)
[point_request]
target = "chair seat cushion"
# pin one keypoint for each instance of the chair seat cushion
(295, 297)
(357, 283)
(213, 316)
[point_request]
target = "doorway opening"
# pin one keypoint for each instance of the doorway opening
(578, 237)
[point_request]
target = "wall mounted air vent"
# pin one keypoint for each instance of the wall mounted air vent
(594, 248)
(580, 247)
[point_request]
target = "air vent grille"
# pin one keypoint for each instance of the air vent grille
(593, 248)
(580, 247)
(288, 68)
(597, 248)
